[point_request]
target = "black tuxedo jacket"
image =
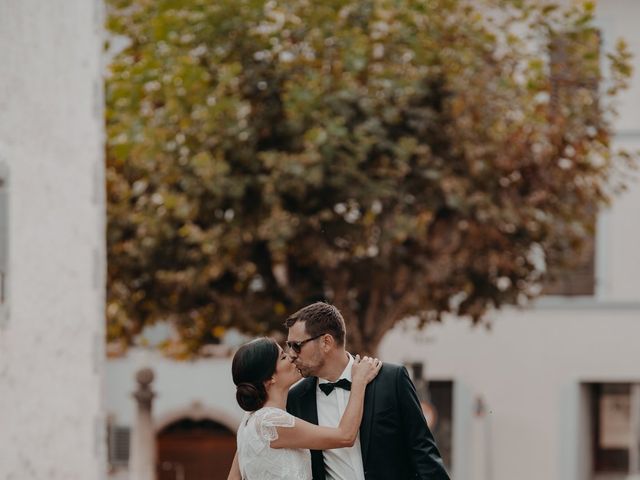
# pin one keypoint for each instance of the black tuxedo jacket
(395, 439)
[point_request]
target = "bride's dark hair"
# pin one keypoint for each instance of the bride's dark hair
(253, 364)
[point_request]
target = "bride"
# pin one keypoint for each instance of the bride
(272, 444)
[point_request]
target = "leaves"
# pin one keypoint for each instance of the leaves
(395, 158)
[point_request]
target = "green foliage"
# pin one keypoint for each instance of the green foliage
(395, 157)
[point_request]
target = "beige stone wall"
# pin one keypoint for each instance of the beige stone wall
(51, 138)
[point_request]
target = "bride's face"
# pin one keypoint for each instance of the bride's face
(286, 373)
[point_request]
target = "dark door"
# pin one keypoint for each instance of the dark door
(195, 450)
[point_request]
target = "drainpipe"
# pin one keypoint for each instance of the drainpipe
(634, 444)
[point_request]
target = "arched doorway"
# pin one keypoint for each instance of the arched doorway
(195, 450)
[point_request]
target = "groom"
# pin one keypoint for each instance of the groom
(394, 440)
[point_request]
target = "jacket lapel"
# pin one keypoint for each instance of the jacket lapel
(309, 412)
(367, 419)
(308, 406)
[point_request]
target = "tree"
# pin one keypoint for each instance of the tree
(396, 158)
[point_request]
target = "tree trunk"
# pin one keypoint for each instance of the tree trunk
(388, 301)
(361, 347)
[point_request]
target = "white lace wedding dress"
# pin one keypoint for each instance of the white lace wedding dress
(257, 460)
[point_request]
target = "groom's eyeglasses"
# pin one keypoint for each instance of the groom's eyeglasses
(297, 346)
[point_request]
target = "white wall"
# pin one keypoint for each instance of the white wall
(51, 137)
(619, 240)
(197, 389)
(619, 229)
(528, 369)
(619, 18)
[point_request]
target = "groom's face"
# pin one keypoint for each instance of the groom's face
(310, 359)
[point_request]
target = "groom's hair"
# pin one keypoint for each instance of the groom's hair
(320, 318)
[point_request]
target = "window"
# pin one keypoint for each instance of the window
(436, 397)
(441, 397)
(579, 277)
(612, 427)
(574, 66)
(615, 433)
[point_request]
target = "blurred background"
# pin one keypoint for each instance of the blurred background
(458, 178)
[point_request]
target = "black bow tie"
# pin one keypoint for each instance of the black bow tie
(327, 388)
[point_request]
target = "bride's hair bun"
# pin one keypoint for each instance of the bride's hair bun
(251, 397)
(253, 364)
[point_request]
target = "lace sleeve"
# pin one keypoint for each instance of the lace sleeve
(270, 419)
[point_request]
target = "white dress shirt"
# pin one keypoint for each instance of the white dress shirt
(340, 463)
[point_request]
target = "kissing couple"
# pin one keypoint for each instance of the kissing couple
(350, 418)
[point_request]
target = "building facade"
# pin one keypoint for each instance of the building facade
(52, 240)
(552, 391)
(549, 392)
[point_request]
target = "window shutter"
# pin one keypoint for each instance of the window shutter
(576, 279)
(574, 66)
(119, 444)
